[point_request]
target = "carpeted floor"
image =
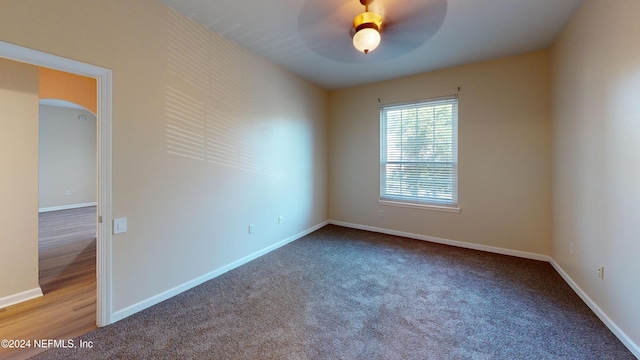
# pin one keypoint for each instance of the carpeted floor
(340, 293)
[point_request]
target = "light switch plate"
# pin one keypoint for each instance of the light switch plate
(119, 225)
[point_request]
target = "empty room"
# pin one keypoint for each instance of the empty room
(322, 179)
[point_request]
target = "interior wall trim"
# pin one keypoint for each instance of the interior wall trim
(104, 84)
(67, 207)
(615, 329)
(462, 244)
(153, 300)
(20, 297)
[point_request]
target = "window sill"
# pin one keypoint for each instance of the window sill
(420, 206)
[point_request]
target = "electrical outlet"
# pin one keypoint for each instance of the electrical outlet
(601, 272)
(67, 192)
(252, 228)
(280, 219)
(381, 213)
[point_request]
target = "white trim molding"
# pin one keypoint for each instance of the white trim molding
(104, 119)
(461, 244)
(453, 209)
(20, 297)
(66, 207)
(621, 335)
(130, 310)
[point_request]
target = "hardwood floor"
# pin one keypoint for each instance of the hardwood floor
(67, 258)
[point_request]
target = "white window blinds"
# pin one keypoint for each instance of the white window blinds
(419, 152)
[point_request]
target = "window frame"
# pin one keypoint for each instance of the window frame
(416, 201)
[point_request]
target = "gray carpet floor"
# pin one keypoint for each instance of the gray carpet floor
(340, 293)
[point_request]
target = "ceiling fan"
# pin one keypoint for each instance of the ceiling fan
(332, 28)
(367, 27)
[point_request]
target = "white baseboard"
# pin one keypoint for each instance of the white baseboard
(66, 207)
(130, 310)
(20, 297)
(621, 335)
(462, 244)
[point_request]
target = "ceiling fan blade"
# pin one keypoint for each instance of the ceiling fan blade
(415, 23)
(325, 27)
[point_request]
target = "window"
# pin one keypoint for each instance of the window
(419, 154)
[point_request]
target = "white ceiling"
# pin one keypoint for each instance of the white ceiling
(313, 37)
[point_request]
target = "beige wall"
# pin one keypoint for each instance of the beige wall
(504, 160)
(67, 157)
(207, 138)
(596, 157)
(18, 179)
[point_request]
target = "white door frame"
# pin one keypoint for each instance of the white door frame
(103, 116)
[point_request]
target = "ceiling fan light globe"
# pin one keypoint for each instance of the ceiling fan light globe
(366, 40)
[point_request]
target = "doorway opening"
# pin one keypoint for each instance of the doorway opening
(103, 125)
(67, 214)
